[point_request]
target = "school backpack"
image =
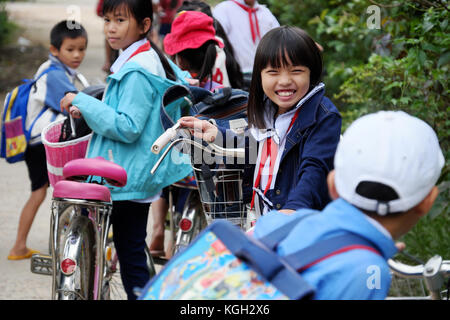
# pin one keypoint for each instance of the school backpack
(225, 263)
(14, 135)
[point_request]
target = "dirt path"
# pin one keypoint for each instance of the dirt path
(37, 18)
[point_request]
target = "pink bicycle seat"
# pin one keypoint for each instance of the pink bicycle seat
(80, 169)
(79, 190)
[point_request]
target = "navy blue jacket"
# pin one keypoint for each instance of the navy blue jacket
(306, 160)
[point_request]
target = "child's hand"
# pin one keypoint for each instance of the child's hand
(400, 246)
(66, 102)
(200, 128)
(287, 211)
(193, 82)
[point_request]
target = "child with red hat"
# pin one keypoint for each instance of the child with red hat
(194, 47)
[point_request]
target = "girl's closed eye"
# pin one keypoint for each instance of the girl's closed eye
(299, 69)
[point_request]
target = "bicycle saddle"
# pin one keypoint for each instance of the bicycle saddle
(84, 191)
(80, 169)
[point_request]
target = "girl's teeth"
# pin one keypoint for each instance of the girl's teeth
(285, 93)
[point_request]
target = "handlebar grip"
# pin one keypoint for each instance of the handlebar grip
(72, 123)
(75, 114)
(163, 140)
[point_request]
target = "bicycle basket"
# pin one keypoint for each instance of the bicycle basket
(221, 194)
(59, 153)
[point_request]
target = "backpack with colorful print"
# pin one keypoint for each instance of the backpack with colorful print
(14, 135)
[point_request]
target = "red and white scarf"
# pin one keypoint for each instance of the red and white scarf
(254, 26)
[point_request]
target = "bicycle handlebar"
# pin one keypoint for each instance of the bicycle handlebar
(165, 138)
(211, 148)
(433, 272)
(434, 265)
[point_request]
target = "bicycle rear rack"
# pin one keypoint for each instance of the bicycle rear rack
(42, 264)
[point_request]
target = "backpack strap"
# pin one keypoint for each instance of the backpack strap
(272, 239)
(51, 68)
(309, 256)
(28, 132)
(265, 262)
(172, 94)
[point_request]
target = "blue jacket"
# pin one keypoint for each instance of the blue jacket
(355, 274)
(48, 92)
(306, 160)
(127, 122)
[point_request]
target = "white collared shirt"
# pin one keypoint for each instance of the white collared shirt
(126, 54)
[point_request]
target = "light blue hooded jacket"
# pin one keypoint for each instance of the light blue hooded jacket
(127, 122)
(353, 275)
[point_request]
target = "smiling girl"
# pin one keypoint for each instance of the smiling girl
(294, 126)
(125, 125)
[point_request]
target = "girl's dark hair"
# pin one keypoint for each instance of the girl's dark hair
(201, 60)
(141, 9)
(233, 69)
(274, 49)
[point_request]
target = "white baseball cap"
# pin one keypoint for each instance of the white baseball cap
(391, 148)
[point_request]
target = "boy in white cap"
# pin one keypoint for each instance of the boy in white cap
(386, 168)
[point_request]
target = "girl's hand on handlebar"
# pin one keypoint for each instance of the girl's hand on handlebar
(287, 211)
(193, 82)
(66, 105)
(201, 129)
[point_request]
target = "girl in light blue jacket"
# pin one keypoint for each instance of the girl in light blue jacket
(125, 125)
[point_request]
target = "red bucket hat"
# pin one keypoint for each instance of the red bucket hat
(190, 30)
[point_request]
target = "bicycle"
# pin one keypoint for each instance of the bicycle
(433, 273)
(219, 187)
(82, 260)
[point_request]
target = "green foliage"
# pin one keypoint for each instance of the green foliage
(339, 26)
(402, 65)
(413, 77)
(6, 27)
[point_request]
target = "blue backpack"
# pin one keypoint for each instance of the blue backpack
(224, 263)
(14, 136)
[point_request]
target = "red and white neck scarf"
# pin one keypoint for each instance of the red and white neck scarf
(254, 27)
